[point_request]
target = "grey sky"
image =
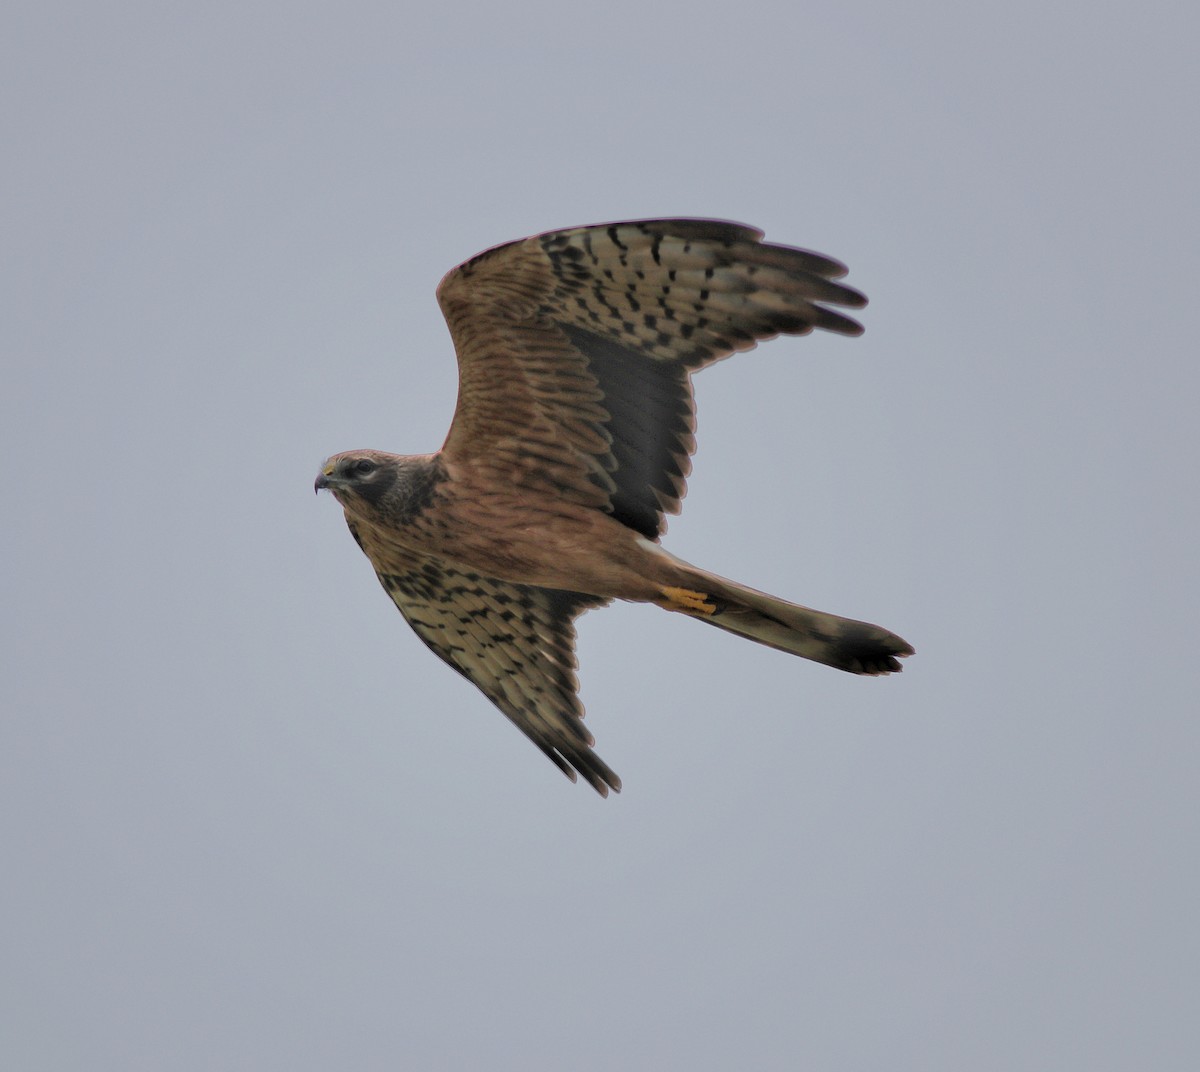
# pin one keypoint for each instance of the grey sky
(248, 822)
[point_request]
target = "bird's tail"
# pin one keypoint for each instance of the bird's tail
(857, 647)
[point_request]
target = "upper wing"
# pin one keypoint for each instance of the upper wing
(515, 642)
(575, 350)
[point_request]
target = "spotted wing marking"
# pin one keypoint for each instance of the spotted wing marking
(692, 291)
(516, 643)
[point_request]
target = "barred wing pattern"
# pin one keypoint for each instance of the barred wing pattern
(575, 350)
(515, 642)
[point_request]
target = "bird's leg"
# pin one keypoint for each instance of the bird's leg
(686, 601)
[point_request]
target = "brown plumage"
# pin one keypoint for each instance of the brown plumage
(571, 440)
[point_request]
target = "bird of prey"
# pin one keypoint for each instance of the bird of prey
(571, 441)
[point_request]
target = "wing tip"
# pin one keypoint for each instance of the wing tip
(577, 761)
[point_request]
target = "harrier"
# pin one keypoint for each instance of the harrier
(570, 443)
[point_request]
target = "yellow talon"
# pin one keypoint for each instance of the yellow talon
(684, 599)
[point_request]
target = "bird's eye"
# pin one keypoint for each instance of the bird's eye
(362, 467)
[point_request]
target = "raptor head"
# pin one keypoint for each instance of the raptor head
(357, 476)
(377, 486)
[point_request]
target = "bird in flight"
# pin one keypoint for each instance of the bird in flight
(571, 442)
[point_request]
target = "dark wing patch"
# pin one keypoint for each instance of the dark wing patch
(651, 421)
(516, 643)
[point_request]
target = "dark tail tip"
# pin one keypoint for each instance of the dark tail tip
(869, 649)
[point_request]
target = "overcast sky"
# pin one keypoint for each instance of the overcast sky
(247, 821)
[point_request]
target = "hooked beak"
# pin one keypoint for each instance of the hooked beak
(323, 481)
